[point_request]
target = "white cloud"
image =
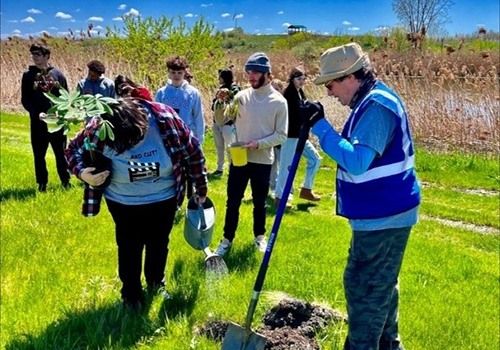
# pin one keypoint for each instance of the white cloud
(224, 15)
(117, 19)
(95, 19)
(63, 15)
(281, 12)
(346, 23)
(122, 7)
(228, 29)
(98, 28)
(189, 15)
(286, 24)
(13, 21)
(53, 28)
(28, 19)
(353, 29)
(207, 5)
(34, 11)
(132, 12)
(63, 33)
(16, 31)
(238, 16)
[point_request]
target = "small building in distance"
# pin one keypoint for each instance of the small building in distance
(295, 28)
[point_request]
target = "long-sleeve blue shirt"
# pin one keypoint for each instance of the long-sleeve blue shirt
(186, 101)
(103, 86)
(369, 138)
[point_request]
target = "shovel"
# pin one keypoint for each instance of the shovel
(243, 338)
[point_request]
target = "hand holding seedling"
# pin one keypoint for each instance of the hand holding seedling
(93, 179)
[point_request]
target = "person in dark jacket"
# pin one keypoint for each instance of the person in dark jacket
(38, 79)
(222, 127)
(295, 96)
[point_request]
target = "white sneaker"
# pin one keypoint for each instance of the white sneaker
(261, 243)
(223, 247)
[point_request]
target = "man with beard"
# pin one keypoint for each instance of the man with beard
(38, 79)
(260, 125)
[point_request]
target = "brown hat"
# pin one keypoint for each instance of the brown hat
(337, 62)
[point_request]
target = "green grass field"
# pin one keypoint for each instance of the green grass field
(59, 285)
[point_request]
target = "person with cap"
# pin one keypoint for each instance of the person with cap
(151, 154)
(42, 78)
(95, 82)
(376, 188)
(260, 125)
(295, 97)
(222, 127)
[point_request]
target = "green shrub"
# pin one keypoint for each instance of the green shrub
(146, 44)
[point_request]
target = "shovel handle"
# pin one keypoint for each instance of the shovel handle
(304, 135)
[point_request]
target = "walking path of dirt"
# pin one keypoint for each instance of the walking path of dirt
(484, 230)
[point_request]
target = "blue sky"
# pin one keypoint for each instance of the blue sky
(30, 17)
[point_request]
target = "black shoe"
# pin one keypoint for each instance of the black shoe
(42, 187)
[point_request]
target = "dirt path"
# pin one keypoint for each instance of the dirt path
(484, 230)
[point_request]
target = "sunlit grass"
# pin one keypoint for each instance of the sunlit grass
(59, 277)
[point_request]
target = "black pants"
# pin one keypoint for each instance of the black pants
(258, 175)
(136, 227)
(40, 139)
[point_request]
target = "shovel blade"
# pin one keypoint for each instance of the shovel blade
(239, 338)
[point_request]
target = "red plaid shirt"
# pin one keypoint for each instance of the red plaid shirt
(182, 147)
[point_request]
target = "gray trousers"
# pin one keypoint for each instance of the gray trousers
(371, 288)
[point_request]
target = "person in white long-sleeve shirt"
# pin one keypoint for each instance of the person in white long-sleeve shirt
(184, 98)
(260, 125)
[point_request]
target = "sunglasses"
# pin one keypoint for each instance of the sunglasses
(329, 84)
(36, 54)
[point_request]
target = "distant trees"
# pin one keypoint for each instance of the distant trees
(422, 15)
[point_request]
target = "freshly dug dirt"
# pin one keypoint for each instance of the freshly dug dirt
(290, 325)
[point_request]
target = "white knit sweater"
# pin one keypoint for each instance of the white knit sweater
(262, 118)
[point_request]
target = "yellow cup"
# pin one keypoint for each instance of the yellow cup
(238, 154)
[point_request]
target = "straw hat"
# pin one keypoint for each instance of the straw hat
(340, 61)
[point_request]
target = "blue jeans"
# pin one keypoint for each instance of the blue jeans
(239, 176)
(286, 156)
(371, 288)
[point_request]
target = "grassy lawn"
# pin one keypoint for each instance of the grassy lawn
(59, 285)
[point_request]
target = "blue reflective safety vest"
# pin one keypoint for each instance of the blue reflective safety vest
(390, 185)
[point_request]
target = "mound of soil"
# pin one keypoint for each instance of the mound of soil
(290, 325)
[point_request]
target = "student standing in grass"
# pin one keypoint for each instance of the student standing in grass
(38, 79)
(185, 99)
(377, 190)
(96, 82)
(152, 153)
(222, 127)
(260, 125)
(295, 97)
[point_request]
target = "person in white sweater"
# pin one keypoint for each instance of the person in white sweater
(260, 125)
